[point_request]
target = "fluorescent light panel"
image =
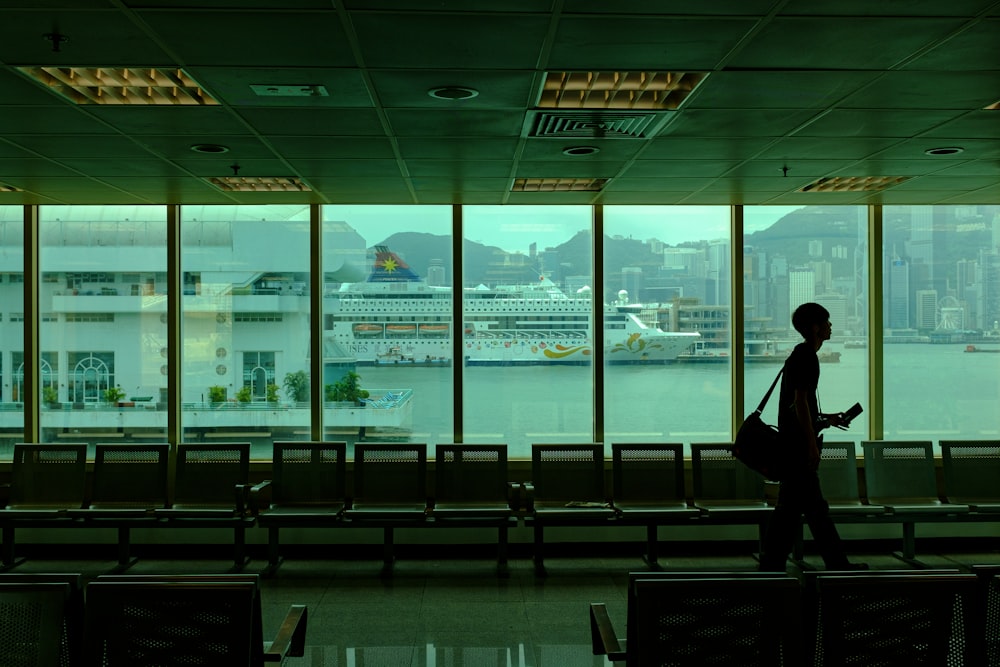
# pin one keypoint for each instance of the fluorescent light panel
(129, 85)
(853, 183)
(617, 90)
(558, 184)
(259, 184)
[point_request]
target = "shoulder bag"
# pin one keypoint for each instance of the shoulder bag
(757, 444)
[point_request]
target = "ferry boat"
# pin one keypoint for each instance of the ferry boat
(396, 317)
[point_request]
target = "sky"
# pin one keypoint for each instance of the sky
(514, 228)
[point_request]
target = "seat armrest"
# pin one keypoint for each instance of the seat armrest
(291, 638)
(602, 633)
(256, 503)
(528, 495)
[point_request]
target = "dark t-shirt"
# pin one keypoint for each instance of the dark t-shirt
(801, 372)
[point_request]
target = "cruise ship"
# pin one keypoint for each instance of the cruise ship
(395, 317)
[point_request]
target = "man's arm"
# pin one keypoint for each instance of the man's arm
(805, 419)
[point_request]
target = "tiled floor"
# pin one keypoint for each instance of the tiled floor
(455, 612)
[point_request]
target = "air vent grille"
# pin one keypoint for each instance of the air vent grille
(593, 124)
(853, 183)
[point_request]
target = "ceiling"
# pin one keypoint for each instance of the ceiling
(794, 91)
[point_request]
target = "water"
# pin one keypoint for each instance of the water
(930, 392)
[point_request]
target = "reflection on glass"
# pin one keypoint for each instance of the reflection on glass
(245, 324)
(102, 290)
(528, 326)
(941, 310)
(793, 256)
(666, 280)
(11, 329)
(387, 324)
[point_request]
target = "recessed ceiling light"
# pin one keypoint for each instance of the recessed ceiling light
(258, 184)
(944, 150)
(213, 149)
(853, 183)
(128, 85)
(617, 90)
(581, 150)
(453, 93)
(558, 184)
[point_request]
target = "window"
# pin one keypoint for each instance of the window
(528, 309)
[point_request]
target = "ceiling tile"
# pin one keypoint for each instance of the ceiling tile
(474, 148)
(104, 167)
(683, 184)
(736, 123)
(39, 120)
(467, 169)
(357, 168)
(679, 148)
(776, 90)
(900, 123)
(314, 122)
(231, 85)
(539, 148)
(179, 147)
(75, 146)
(839, 43)
(980, 124)
(809, 148)
(678, 168)
(973, 50)
(928, 90)
(298, 148)
(140, 120)
(861, 8)
(472, 123)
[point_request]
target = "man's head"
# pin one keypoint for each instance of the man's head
(808, 316)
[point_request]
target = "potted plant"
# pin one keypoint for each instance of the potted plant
(347, 389)
(272, 393)
(244, 395)
(216, 394)
(113, 394)
(297, 386)
(50, 396)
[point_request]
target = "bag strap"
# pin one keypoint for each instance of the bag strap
(767, 396)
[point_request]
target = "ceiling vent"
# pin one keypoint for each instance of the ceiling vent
(593, 124)
(129, 85)
(258, 184)
(662, 91)
(558, 184)
(853, 183)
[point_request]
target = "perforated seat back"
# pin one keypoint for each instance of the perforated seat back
(971, 470)
(899, 471)
(33, 630)
(470, 473)
(647, 472)
(130, 475)
(48, 476)
(568, 472)
(390, 473)
(838, 473)
(717, 475)
(208, 474)
(308, 473)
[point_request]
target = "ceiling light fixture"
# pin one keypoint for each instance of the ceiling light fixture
(558, 184)
(853, 183)
(258, 184)
(128, 85)
(211, 149)
(618, 90)
(575, 151)
(9, 188)
(944, 150)
(452, 93)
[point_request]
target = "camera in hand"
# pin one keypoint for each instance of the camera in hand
(853, 412)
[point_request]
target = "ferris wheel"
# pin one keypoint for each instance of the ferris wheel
(949, 316)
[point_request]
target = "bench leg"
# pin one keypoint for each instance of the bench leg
(240, 559)
(909, 553)
(274, 559)
(652, 547)
(388, 549)
(125, 560)
(9, 561)
(539, 549)
(502, 541)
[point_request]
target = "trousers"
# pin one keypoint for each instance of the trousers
(800, 496)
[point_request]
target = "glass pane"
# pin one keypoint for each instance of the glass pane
(941, 288)
(794, 255)
(103, 272)
(11, 329)
(245, 324)
(528, 326)
(666, 278)
(387, 318)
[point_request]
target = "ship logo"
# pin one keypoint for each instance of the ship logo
(389, 268)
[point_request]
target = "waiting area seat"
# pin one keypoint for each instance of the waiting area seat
(711, 618)
(725, 490)
(972, 475)
(129, 485)
(211, 491)
(566, 489)
(471, 490)
(39, 620)
(648, 489)
(307, 489)
(900, 476)
(185, 620)
(46, 481)
(390, 491)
